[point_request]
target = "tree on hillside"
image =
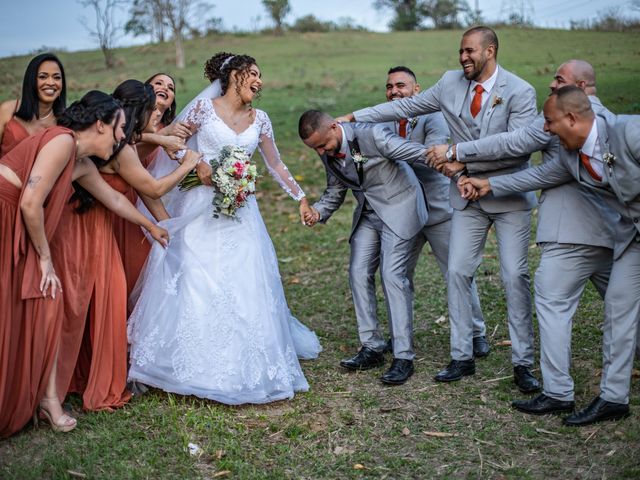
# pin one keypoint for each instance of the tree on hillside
(278, 10)
(445, 14)
(411, 14)
(179, 17)
(146, 18)
(407, 13)
(106, 28)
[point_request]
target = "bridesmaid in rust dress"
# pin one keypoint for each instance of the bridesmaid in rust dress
(43, 100)
(35, 185)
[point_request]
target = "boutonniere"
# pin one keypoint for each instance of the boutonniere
(358, 157)
(609, 159)
(496, 101)
(413, 122)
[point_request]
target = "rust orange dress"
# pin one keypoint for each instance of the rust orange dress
(132, 244)
(29, 323)
(14, 133)
(93, 350)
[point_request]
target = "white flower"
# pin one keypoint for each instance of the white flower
(609, 159)
(358, 158)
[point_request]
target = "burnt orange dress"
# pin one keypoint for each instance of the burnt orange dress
(29, 324)
(14, 133)
(93, 350)
(132, 244)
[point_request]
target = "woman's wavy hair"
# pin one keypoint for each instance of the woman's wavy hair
(220, 66)
(80, 115)
(170, 113)
(138, 102)
(29, 101)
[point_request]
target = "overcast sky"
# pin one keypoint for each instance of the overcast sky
(31, 24)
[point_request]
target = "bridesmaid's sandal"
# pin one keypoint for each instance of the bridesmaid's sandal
(64, 423)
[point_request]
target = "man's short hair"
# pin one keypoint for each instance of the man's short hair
(402, 68)
(489, 36)
(571, 98)
(311, 121)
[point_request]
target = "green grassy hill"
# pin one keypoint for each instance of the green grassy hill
(350, 426)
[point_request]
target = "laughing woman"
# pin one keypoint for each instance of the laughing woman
(43, 100)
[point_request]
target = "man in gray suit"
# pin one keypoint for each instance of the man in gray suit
(602, 154)
(431, 129)
(481, 100)
(575, 235)
(391, 210)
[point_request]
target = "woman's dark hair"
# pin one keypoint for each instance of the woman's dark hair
(219, 67)
(29, 101)
(94, 106)
(170, 113)
(138, 101)
(80, 115)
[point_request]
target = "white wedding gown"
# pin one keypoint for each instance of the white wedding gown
(211, 318)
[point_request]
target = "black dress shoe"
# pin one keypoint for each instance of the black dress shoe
(597, 411)
(364, 360)
(398, 373)
(480, 347)
(525, 380)
(456, 370)
(388, 347)
(542, 405)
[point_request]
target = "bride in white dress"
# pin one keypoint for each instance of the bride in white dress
(210, 316)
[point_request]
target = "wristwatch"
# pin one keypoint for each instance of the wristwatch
(449, 155)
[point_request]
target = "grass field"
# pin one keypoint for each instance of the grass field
(350, 425)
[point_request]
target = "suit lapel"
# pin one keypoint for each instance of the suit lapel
(334, 167)
(496, 92)
(461, 95)
(354, 148)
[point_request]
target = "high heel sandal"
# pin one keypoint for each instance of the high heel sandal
(43, 414)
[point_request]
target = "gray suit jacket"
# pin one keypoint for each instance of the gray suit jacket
(515, 108)
(568, 213)
(392, 192)
(430, 129)
(620, 186)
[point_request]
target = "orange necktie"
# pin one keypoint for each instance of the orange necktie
(584, 158)
(402, 127)
(476, 102)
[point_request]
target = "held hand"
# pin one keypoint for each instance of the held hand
(467, 191)
(346, 118)
(173, 143)
(311, 217)
(49, 278)
(305, 210)
(450, 168)
(204, 171)
(160, 235)
(191, 158)
(180, 129)
(480, 185)
(436, 155)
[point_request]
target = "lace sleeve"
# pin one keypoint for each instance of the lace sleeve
(271, 157)
(196, 113)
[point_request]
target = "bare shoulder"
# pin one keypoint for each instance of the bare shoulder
(7, 108)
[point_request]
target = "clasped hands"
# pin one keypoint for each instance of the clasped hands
(309, 216)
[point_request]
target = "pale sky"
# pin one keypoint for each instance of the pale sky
(31, 24)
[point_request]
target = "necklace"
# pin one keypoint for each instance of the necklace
(47, 115)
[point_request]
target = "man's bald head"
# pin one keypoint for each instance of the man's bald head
(568, 114)
(572, 99)
(575, 72)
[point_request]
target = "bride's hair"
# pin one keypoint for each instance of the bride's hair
(219, 67)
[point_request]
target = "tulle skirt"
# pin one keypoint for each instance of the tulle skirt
(210, 316)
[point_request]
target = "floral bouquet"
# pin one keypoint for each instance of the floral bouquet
(234, 178)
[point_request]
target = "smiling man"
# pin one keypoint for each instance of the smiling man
(481, 99)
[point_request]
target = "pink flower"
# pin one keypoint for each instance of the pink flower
(239, 169)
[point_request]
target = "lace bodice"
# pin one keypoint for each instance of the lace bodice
(214, 133)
